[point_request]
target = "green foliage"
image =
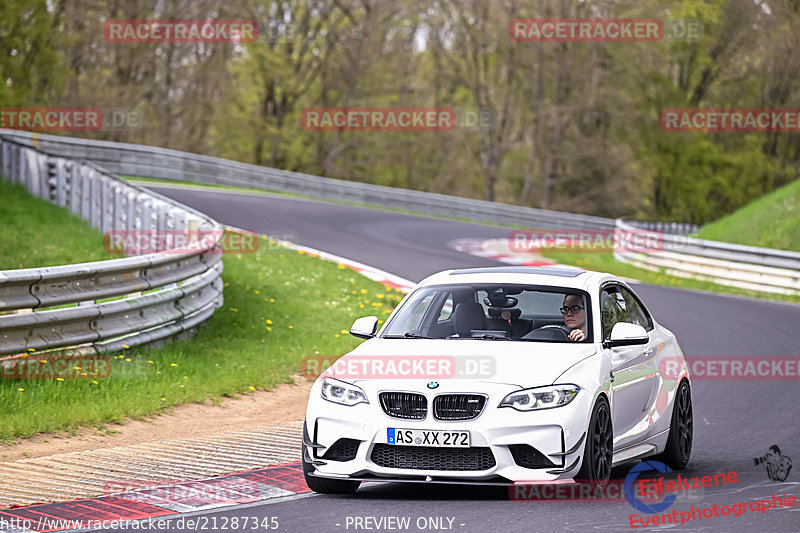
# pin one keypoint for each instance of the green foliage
(576, 124)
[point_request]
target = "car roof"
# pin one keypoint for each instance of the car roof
(574, 278)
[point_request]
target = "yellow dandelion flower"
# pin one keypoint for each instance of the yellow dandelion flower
(251, 388)
(361, 305)
(163, 399)
(78, 368)
(269, 328)
(364, 291)
(128, 359)
(150, 362)
(272, 300)
(379, 295)
(173, 364)
(31, 349)
(341, 266)
(59, 379)
(126, 346)
(301, 252)
(185, 377)
(291, 327)
(344, 331)
(336, 335)
(43, 360)
(257, 292)
(20, 389)
(269, 321)
(94, 382)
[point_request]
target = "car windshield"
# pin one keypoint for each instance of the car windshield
(492, 312)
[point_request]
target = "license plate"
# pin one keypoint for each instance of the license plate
(428, 437)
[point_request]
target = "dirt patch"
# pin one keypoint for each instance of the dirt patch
(261, 408)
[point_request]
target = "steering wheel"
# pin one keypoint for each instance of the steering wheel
(563, 329)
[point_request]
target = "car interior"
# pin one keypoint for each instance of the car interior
(507, 312)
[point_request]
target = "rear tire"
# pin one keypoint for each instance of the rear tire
(324, 485)
(599, 448)
(679, 443)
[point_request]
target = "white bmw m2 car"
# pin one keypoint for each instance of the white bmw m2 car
(498, 376)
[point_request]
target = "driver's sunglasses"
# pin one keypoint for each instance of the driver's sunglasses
(574, 308)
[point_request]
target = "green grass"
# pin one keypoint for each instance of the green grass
(280, 306)
(772, 221)
(36, 233)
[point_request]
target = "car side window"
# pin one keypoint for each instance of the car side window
(447, 309)
(613, 309)
(636, 312)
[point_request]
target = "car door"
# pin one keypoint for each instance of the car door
(634, 369)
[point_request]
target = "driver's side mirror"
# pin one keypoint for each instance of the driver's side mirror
(626, 334)
(365, 327)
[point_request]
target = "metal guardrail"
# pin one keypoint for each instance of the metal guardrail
(747, 267)
(154, 296)
(154, 162)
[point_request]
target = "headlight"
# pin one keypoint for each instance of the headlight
(343, 393)
(540, 397)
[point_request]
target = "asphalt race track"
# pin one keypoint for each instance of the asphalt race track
(735, 420)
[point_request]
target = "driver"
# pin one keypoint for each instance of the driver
(575, 317)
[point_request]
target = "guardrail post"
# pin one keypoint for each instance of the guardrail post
(60, 182)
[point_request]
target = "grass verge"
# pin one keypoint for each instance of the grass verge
(35, 233)
(280, 306)
(772, 221)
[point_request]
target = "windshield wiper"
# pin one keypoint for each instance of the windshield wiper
(407, 335)
(490, 336)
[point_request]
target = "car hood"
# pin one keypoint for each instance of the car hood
(524, 364)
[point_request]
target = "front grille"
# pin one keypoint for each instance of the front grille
(404, 405)
(432, 458)
(342, 450)
(458, 406)
(529, 457)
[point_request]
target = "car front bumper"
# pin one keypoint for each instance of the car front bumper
(558, 434)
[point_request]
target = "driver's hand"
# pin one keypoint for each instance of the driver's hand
(577, 335)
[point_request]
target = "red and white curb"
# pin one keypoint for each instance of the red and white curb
(498, 250)
(163, 502)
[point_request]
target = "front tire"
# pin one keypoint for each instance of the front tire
(679, 443)
(324, 485)
(599, 448)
